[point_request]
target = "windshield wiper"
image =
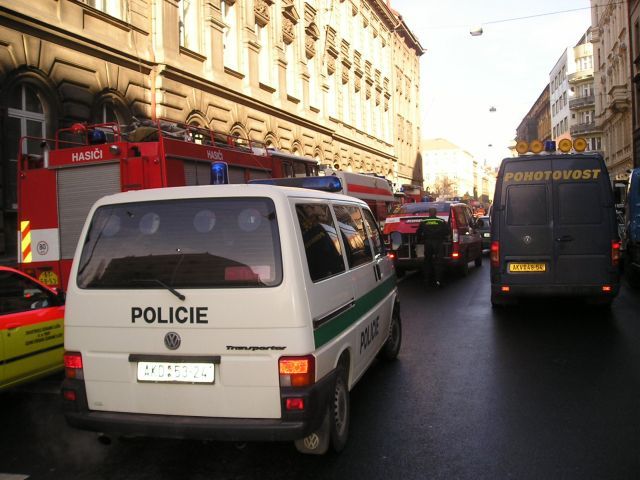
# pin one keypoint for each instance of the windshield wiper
(161, 283)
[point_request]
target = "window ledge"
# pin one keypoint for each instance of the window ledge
(266, 87)
(190, 53)
(314, 109)
(115, 21)
(233, 73)
(293, 99)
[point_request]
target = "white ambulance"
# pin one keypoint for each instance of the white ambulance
(227, 312)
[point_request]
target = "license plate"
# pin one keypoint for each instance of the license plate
(178, 372)
(527, 267)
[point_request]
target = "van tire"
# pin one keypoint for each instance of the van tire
(463, 269)
(478, 261)
(391, 347)
(340, 415)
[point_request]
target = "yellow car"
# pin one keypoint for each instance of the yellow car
(31, 328)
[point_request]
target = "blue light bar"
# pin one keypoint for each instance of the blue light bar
(549, 146)
(219, 173)
(329, 183)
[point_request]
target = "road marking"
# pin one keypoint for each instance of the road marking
(13, 476)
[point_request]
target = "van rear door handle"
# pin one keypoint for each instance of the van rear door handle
(565, 238)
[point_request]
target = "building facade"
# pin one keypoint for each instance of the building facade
(450, 171)
(634, 30)
(336, 80)
(536, 124)
(612, 75)
(582, 95)
(559, 95)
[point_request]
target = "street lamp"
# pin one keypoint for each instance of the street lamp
(476, 31)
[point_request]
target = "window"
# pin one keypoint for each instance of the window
(461, 218)
(355, 240)
(115, 8)
(527, 205)
(292, 80)
(579, 204)
(19, 294)
(25, 117)
(189, 26)
(223, 243)
(373, 231)
(230, 34)
(320, 238)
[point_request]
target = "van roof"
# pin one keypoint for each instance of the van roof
(217, 191)
(555, 156)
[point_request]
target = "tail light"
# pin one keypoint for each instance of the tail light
(494, 255)
(615, 253)
(73, 365)
(297, 371)
(455, 237)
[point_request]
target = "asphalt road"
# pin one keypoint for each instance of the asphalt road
(543, 390)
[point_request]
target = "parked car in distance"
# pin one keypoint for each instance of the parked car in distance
(31, 328)
(484, 229)
(631, 240)
(462, 246)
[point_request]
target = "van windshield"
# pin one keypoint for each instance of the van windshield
(190, 243)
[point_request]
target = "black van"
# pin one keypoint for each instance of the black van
(553, 229)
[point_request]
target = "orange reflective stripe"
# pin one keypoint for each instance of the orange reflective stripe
(25, 235)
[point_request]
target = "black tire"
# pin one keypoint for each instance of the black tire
(400, 272)
(478, 261)
(339, 411)
(391, 347)
(498, 301)
(464, 267)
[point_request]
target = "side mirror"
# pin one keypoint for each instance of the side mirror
(396, 240)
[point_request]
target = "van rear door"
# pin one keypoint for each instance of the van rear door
(526, 230)
(582, 232)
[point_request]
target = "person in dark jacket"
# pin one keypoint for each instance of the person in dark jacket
(433, 232)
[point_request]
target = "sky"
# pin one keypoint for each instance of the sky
(507, 67)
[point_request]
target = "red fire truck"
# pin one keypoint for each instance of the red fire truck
(85, 162)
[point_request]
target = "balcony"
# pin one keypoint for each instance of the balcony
(581, 75)
(583, 129)
(582, 102)
(619, 98)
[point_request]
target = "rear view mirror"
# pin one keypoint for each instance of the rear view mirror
(396, 240)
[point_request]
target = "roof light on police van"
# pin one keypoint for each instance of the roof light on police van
(579, 144)
(565, 145)
(522, 147)
(536, 146)
(549, 146)
(328, 183)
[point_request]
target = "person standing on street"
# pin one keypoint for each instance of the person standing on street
(433, 232)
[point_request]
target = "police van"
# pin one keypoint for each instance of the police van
(553, 227)
(227, 312)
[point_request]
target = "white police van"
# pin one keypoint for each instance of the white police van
(227, 312)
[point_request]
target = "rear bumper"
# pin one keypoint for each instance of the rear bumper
(291, 426)
(591, 291)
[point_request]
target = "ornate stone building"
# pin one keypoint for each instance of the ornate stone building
(536, 124)
(337, 80)
(612, 74)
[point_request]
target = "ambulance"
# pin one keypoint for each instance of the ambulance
(227, 312)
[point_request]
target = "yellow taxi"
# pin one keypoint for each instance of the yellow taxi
(31, 328)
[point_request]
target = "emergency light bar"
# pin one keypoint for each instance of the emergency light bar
(565, 145)
(324, 184)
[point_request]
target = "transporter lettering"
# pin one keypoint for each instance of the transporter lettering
(170, 315)
(539, 175)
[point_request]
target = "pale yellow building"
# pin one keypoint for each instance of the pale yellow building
(336, 80)
(612, 75)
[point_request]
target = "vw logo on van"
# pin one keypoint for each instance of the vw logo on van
(527, 239)
(172, 341)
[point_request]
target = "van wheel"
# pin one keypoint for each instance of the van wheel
(478, 261)
(498, 301)
(391, 347)
(340, 411)
(464, 268)
(399, 272)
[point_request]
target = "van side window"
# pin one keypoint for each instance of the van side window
(374, 233)
(321, 243)
(527, 205)
(353, 235)
(579, 204)
(19, 294)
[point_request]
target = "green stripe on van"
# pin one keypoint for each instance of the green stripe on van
(365, 303)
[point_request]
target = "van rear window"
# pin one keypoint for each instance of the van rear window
(579, 204)
(527, 205)
(190, 243)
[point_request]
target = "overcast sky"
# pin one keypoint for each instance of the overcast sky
(463, 76)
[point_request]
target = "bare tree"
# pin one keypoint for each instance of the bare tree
(444, 187)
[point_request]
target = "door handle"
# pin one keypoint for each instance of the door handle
(378, 271)
(565, 238)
